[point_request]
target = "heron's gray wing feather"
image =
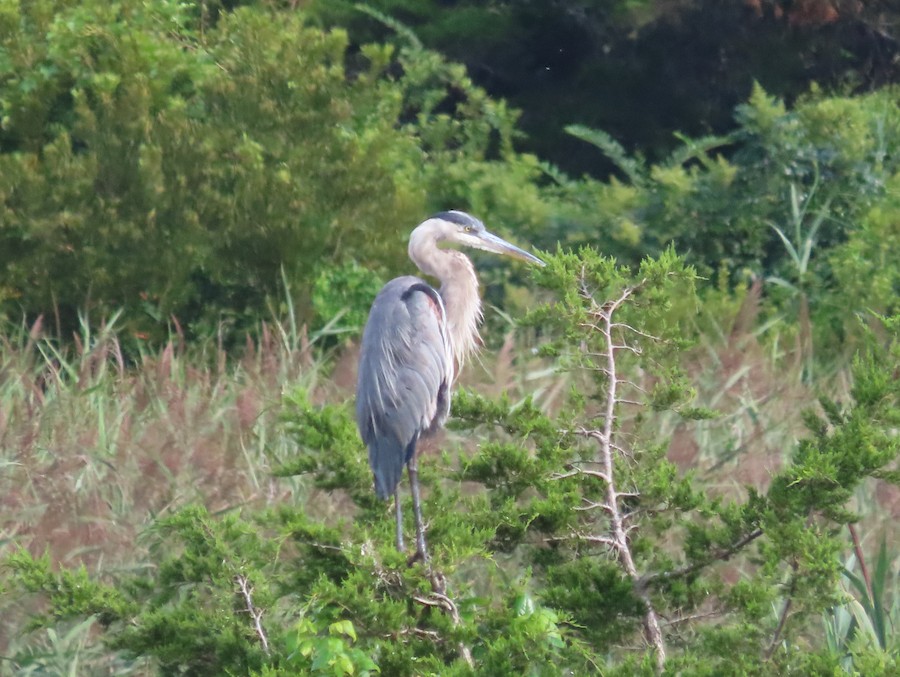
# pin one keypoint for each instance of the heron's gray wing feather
(405, 371)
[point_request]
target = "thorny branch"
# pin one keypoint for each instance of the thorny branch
(246, 591)
(617, 540)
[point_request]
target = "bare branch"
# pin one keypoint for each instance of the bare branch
(785, 612)
(565, 475)
(621, 450)
(638, 332)
(439, 598)
(627, 494)
(256, 614)
(693, 617)
(722, 554)
(634, 385)
(433, 635)
(601, 540)
(577, 470)
(594, 434)
(617, 540)
(595, 473)
(428, 601)
(322, 546)
(593, 505)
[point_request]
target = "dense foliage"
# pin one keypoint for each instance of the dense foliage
(578, 538)
(195, 167)
(154, 162)
(800, 201)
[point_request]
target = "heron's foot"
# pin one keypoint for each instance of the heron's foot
(420, 555)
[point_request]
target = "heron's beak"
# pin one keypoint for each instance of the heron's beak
(491, 243)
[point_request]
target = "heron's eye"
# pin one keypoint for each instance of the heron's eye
(468, 229)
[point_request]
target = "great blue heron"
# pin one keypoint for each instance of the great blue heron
(414, 344)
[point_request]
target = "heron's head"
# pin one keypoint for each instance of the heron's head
(460, 228)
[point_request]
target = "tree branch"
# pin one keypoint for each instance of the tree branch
(600, 540)
(440, 599)
(722, 554)
(246, 591)
(576, 470)
(785, 611)
(618, 540)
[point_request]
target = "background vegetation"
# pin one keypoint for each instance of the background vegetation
(198, 202)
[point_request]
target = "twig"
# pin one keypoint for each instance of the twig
(693, 617)
(592, 505)
(720, 554)
(440, 599)
(433, 635)
(256, 614)
(622, 325)
(580, 471)
(600, 540)
(784, 615)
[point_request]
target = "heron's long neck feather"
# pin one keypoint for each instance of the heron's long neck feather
(463, 305)
(459, 290)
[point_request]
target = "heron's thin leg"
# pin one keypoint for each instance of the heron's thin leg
(399, 516)
(421, 549)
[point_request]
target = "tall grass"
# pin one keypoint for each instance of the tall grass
(94, 444)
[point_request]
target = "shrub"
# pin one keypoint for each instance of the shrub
(159, 161)
(560, 544)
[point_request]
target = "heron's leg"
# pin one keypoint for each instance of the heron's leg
(421, 549)
(399, 516)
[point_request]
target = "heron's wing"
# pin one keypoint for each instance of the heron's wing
(405, 371)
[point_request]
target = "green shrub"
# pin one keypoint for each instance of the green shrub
(560, 544)
(803, 198)
(157, 161)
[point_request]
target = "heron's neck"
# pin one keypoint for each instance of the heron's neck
(459, 290)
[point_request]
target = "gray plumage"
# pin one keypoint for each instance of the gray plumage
(407, 371)
(415, 341)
